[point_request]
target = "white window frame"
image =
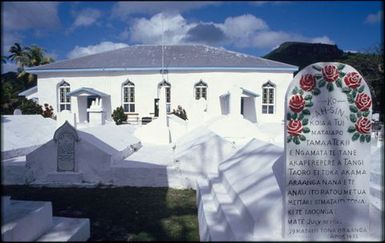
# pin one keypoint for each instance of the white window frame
(128, 96)
(268, 102)
(198, 90)
(167, 88)
(63, 89)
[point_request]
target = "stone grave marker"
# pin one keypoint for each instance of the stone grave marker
(17, 112)
(327, 134)
(66, 137)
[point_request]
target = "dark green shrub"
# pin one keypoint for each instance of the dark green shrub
(180, 112)
(119, 116)
(30, 107)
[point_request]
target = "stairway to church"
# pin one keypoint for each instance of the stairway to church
(33, 221)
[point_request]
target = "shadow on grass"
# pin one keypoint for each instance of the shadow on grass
(124, 213)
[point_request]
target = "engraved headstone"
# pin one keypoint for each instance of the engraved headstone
(66, 138)
(327, 134)
(17, 112)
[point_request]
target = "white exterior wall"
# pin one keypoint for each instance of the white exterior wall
(182, 89)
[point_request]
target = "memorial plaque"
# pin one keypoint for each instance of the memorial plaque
(327, 133)
(66, 137)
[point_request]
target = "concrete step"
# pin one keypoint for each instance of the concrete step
(26, 220)
(237, 218)
(212, 224)
(67, 229)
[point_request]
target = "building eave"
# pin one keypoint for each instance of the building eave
(144, 69)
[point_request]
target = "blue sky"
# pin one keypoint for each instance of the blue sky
(72, 29)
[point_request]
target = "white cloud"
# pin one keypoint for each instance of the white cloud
(124, 9)
(93, 49)
(150, 30)
(240, 31)
(375, 18)
(86, 17)
(323, 39)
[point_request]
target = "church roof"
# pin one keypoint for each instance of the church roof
(176, 57)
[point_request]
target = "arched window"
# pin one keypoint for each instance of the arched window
(200, 90)
(167, 88)
(64, 100)
(268, 98)
(128, 96)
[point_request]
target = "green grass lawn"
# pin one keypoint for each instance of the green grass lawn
(125, 213)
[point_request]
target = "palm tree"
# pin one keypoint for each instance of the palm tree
(4, 59)
(18, 55)
(31, 56)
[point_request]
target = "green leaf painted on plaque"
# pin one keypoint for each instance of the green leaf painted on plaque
(306, 112)
(305, 121)
(295, 90)
(340, 66)
(316, 91)
(302, 137)
(346, 90)
(289, 138)
(309, 104)
(301, 116)
(355, 136)
(339, 83)
(351, 129)
(368, 138)
(306, 130)
(362, 138)
(288, 116)
(365, 113)
(360, 89)
(318, 68)
(350, 98)
(321, 83)
(308, 97)
(342, 74)
(301, 92)
(353, 118)
(354, 93)
(318, 76)
(294, 116)
(296, 140)
(330, 87)
(359, 114)
(353, 108)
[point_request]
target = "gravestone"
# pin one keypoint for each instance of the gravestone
(17, 112)
(66, 137)
(327, 134)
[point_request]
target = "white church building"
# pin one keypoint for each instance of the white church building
(131, 77)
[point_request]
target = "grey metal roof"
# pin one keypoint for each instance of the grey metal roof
(86, 92)
(179, 57)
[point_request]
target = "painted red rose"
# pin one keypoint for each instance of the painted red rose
(294, 127)
(353, 80)
(307, 82)
(363, 102)
(363, 125)
(330, 73)
(297, 103)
